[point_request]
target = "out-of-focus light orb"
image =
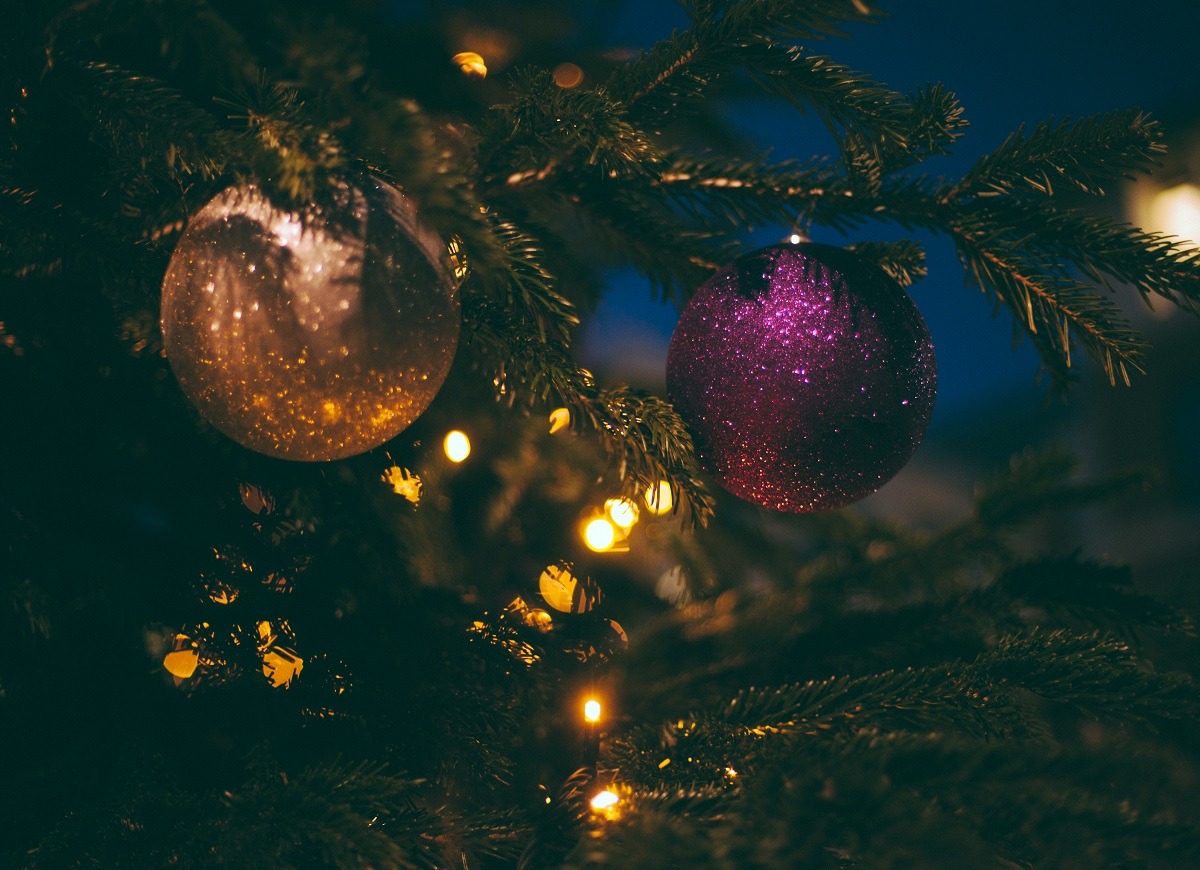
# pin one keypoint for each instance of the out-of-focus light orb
(659, 498)
(605, 800)
(471, 63)
(560, 418)
(622, 512)
(457, 445)
(794, 238)
(1176, 211)
(591, 710)
(568, 75)
(599, 534)
(182, 663)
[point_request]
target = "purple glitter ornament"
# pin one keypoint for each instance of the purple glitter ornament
(806, 375)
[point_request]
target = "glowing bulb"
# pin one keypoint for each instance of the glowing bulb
(605, 800)
(1176, 211)
(591, 710)
(599, 535)
(621, 511)
(659, 498)
(471, 63)
(457, 446)
(560, 418)
(794, 238)
(567, 75)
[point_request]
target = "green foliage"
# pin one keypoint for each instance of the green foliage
(1089, 154)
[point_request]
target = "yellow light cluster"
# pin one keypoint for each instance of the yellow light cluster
(591, 710)
(608, 530)
(622, 512)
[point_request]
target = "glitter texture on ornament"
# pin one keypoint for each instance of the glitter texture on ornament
(807, 376)
(307, 335)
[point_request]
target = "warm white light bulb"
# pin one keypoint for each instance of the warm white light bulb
(599, 534)
(621, 511)
(591, 710)
(605, 799)
(457, 446)
(659, 498)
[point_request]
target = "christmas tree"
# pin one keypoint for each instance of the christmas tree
(320, 547)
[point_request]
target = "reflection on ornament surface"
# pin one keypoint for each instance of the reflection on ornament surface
(309, 336)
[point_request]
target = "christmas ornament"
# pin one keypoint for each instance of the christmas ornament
(806, 375)
(309, 335)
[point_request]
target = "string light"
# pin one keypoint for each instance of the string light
(560, 418)
(591, 710)
(599, 534)
(607, 804)
(622, 512)
(659, 497)
(457, 445)
(471, 63)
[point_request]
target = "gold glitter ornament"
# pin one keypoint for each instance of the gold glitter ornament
(310, 335)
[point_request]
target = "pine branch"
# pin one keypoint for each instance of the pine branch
(678, 70)
(744, 193)
(897, 798)
(148, 123)
(1055, 309)
(848, 101)
(903, 261)
(1088, 153)
(1095, 593)
(979, 699)
(522, 285)
(330, 813)
(524, 327)
(1039, 481)
(300, 161)
(1103, 249)
(547, 128)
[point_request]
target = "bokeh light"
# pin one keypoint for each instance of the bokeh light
(599, 534)
(659, 498)
(457, 445)
(622, 512)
